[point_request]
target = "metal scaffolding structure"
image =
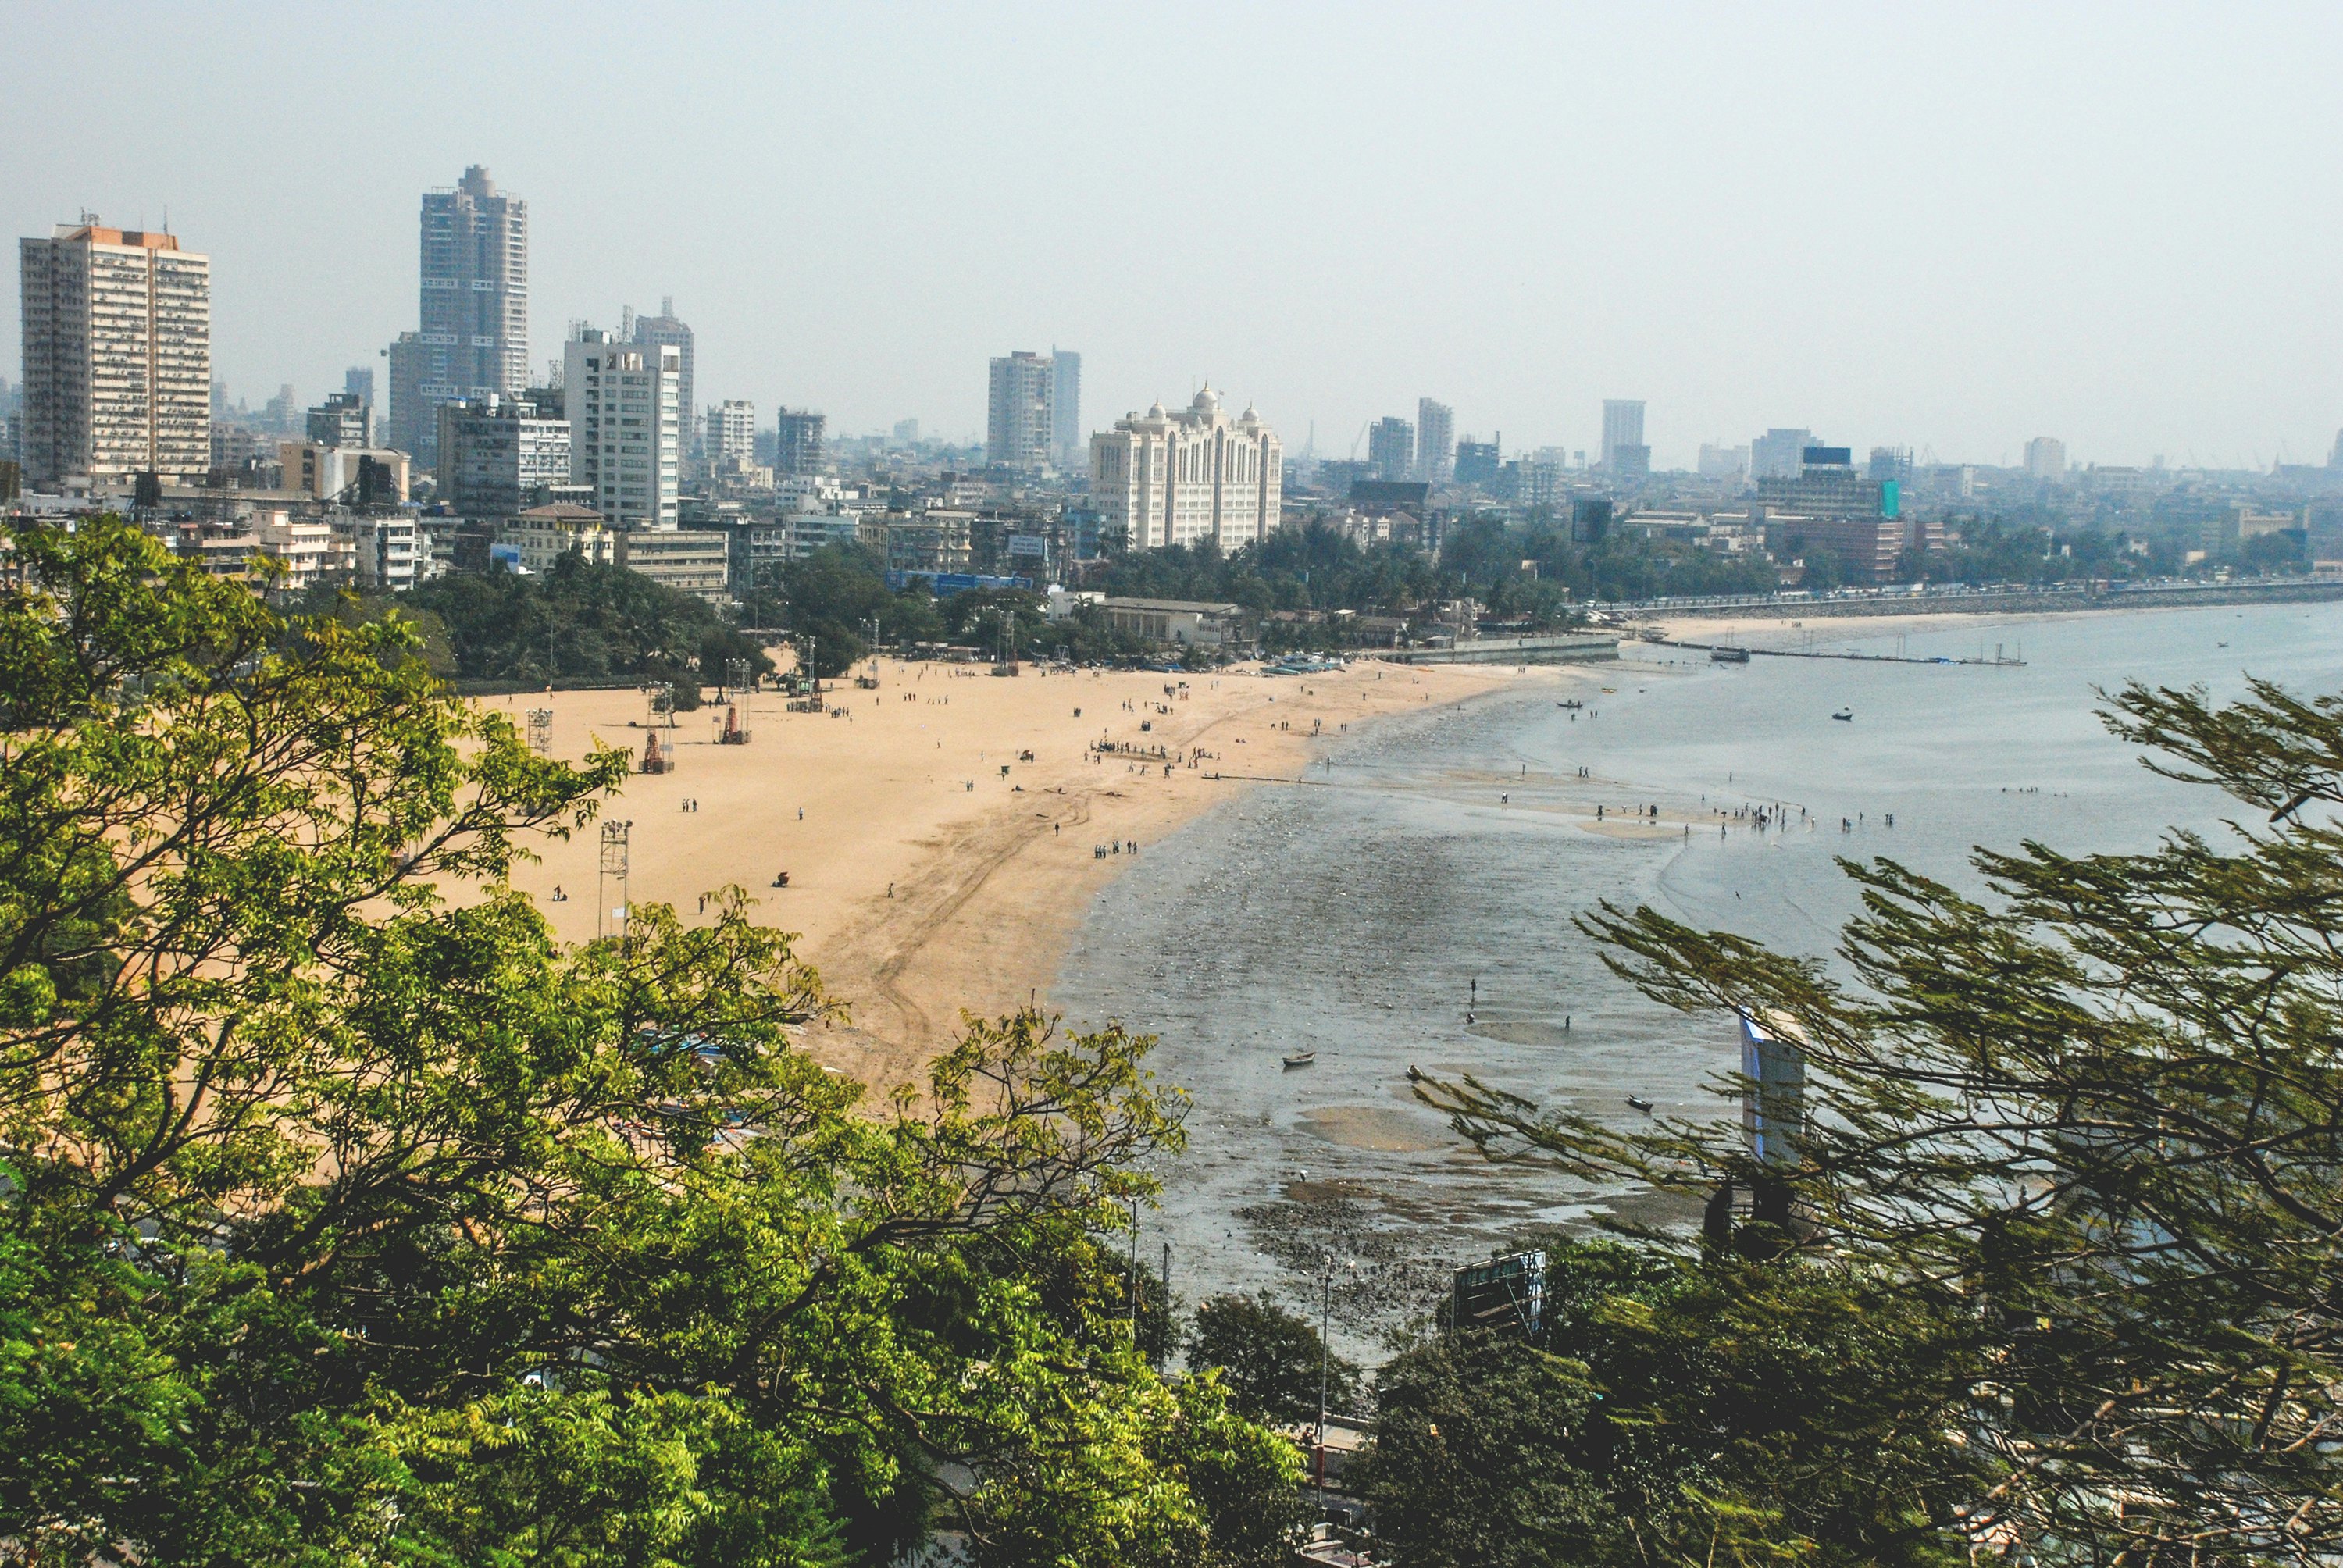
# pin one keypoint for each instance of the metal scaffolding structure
(613, 870)
(540, 731)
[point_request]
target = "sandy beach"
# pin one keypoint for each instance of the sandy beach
(933, 866)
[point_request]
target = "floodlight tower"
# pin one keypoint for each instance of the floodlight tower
(540, 731)
(613, 870)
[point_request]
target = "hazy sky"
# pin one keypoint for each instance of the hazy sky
(1951, 228)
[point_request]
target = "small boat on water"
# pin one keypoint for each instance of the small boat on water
(1300, 1058)
(1574, 702)
(1728, 655)
(1845, 715)
(1640, 1103)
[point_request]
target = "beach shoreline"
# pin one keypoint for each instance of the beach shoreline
(945, 833)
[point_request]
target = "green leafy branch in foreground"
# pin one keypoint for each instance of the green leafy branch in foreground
(344, 1219)
(2087, 1128)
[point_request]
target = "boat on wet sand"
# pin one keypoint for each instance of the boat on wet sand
(1300, 1058)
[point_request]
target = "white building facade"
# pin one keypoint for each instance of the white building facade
(625, 403)
(117, 357)
(732, 440)
(1185, 478)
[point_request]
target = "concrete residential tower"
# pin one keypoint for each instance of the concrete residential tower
(1624, 449)
(625, 404)
(1020, 421)
(474, 341)
(1180, 479)
(667, 330)
(1435, 440)
(117, 356)
(1066, 406)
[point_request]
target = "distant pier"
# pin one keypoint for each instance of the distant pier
(1580, 650)
(1997, 661)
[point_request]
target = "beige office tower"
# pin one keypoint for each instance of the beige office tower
(117, 357)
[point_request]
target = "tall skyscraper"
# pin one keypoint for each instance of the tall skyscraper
(474, 341)
(625, 404)
(117, 356)
(799, 449)
(1066, 406)
(2045, 457)
(665, 331)
(1622, 427)
(1183, 478)
(1435, 440)
(1020, 423)
(1390, 448)
(1778, 454)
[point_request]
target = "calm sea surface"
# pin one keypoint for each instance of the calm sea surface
(1436, 866)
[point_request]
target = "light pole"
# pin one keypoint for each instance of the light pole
(1325, 1351)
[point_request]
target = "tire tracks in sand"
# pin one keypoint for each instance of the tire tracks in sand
(975, 855)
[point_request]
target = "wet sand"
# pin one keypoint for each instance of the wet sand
(931, 868)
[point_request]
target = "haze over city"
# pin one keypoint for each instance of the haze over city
(1945, 229)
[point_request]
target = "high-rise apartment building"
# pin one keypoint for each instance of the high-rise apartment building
(358, 382)
(1390, 448)
(1477, 462)
(1435, 440)
(1623, 428)
(1779, 454)
(625, 403)
(665, 330)
(1066, 406)
(2046, 457)
(1021, 422)
(341, 420)
(499, 456)
(117, 356)
(799, 449)
(1185, 478)
(730, 441)
(474, 340)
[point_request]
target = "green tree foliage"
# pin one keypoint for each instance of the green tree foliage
(1677, 1410)
(1267, 1359)
(1306, 568)
(2084, 1127)
(1486, 558)
(836, 595)
(347, 1221)
(2021, 548)
(579, 621)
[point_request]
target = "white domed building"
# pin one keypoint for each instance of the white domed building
(1181, 478)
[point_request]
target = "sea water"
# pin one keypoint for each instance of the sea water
(1414, 905)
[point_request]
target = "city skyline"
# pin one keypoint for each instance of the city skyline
(2006, 256)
